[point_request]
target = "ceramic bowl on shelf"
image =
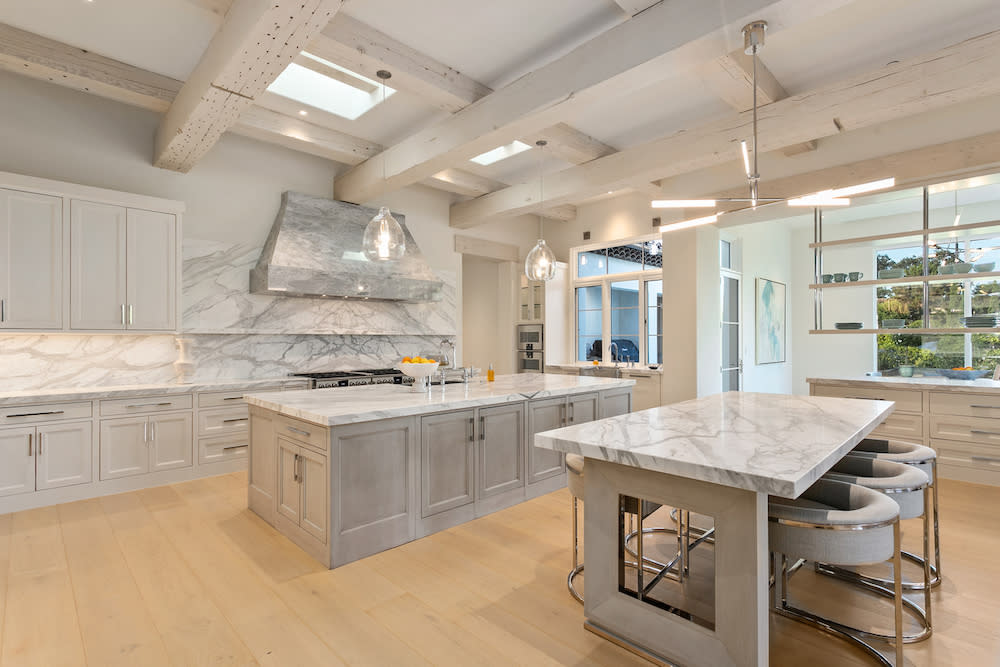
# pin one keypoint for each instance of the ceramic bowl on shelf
(961, 267)
(891, 273)
(985, 267)
(848, 325)
(963, 375)
(946, 269)
(893, 324)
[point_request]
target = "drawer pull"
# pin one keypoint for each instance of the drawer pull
(234, 447)
(988, 459)
(241, 419)
(298, 430)
(149, 405)
(978, 432)
(37, 414)
(985, 406)
(233, 398)
(866, 398)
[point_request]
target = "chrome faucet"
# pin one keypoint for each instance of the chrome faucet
(613, 350)
(449, 361)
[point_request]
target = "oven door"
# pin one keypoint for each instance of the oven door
(529, 336)
(530, 362)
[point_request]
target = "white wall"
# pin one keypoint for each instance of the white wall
(480, 309)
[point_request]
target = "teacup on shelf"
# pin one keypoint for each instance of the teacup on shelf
(839, 277)
(855, 275)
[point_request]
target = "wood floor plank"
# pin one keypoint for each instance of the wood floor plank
(40, 626)
(272, 630)
(117, 628)
(5, 521)
(192, 627)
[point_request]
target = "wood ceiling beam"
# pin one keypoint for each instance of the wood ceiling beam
(731, 78)
(950, 76)
(665, 38)
(276, 128)
(255, 43)
(633, 7)
(32, 55)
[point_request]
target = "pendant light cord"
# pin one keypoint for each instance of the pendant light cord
(541, 143)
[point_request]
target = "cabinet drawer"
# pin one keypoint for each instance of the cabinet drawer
(145, 404)
(224, 399)
(902, 426)
(906, 400)
(302, 432)
(969, 455)
(970, 405)
(223, 421)
(972, 430)
(213, 450)
(44, 412)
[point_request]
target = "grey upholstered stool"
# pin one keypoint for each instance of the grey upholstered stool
(909, 487)
(839, 523)
(925, 459)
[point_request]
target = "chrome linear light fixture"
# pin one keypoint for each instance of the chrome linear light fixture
(383, 239)
(540, 264)
(753, 42)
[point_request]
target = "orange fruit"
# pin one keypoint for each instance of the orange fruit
(406, 360)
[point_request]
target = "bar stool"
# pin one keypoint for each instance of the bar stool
(839, 523)
(922, 458)
(909, 488)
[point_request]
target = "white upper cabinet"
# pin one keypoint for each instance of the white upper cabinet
(97, 262)
(31, 261)
(124, 264)
(151, 270)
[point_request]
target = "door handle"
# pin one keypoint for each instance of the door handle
(562, 415)
(3, 310)
(472, 429)
(295, 469)
(29, 443)
(233, 398)
(148, 405)
(145, 431)
(572, 412)
(123, 314)
(978, 432)
(986, 459)
(152, 431)
(299, 431)
(36, 414)
(482, 428)
(234, 447)
(985, 406)
(241, 419)
(130, 313)
(41, 441)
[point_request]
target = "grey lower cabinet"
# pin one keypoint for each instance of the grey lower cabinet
(501, 450)
(615, 402)
(552, 413)
(139, 445)
(447, 461)
(302, 487)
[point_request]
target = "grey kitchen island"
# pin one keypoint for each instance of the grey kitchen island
(348, 472)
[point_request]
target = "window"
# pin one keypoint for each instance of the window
(327, 86)
(500, 153)
(619, 302)
(725, 255)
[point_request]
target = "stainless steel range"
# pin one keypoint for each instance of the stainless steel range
(358, 378)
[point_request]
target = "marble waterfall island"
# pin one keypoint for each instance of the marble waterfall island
(348, 472)
(719, 456)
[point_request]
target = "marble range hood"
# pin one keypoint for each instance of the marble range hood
(314, 250)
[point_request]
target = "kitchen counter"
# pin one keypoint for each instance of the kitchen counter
(937, 383)
(335, 407)
(29, 396)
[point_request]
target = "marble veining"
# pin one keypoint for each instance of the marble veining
(27, 397)
(776, 444)
(217, 300)
(335, 407)
(937, 383)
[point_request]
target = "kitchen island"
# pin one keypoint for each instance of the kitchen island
(959, 419)
(719, 456)
(348, 472)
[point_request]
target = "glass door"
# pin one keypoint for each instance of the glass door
(732, 363)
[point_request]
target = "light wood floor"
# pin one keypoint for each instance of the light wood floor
(185, 575)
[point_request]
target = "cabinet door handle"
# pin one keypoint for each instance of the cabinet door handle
(148, 405)
(123, 314)
(472, 429)
(978, 432)
(130, 318)
(482, 428)
(234, 447)
(866, 398)
(985, 406)
(299, 431)
(3, 310)
(145, 432)
(987, 459)
(233, 398)
(29, 443)
(41, 441)
(572, 412)
(36, 414)
(152, 431)
(241, 419)
(295, 469)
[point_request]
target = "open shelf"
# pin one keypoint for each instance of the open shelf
(941, 233)
(911, 332)
(913, 280)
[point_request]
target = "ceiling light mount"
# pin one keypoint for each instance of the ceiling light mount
(753, 37)
(383, 74)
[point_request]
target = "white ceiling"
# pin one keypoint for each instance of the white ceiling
(497, 42)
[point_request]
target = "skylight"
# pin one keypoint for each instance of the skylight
(500, 153)
(325, 85)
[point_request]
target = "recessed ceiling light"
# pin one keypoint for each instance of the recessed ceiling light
(611, 192)
(303, 112)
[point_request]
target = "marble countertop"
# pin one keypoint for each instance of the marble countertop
(339, 406)
(29, 396)
(772, 443)
(637, 370)
(939, 383)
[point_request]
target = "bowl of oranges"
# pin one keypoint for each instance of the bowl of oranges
(963, 373)
(419, 368)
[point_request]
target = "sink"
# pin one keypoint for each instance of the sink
(602, 372)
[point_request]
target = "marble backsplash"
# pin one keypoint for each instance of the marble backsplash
(232, 334)
(50, 361)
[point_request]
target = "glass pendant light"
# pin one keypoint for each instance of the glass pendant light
(540, 264)
(383, 239)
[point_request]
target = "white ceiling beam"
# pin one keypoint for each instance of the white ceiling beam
(633, 7)
(463, 182)
(951, 76)
(219, 7)
(569, 144)
(731, 78)
(32, 55)
(276, 128)
(668, 37)
(254, 44)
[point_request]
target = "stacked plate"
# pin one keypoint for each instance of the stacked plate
(848, 325)
(982, 321)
